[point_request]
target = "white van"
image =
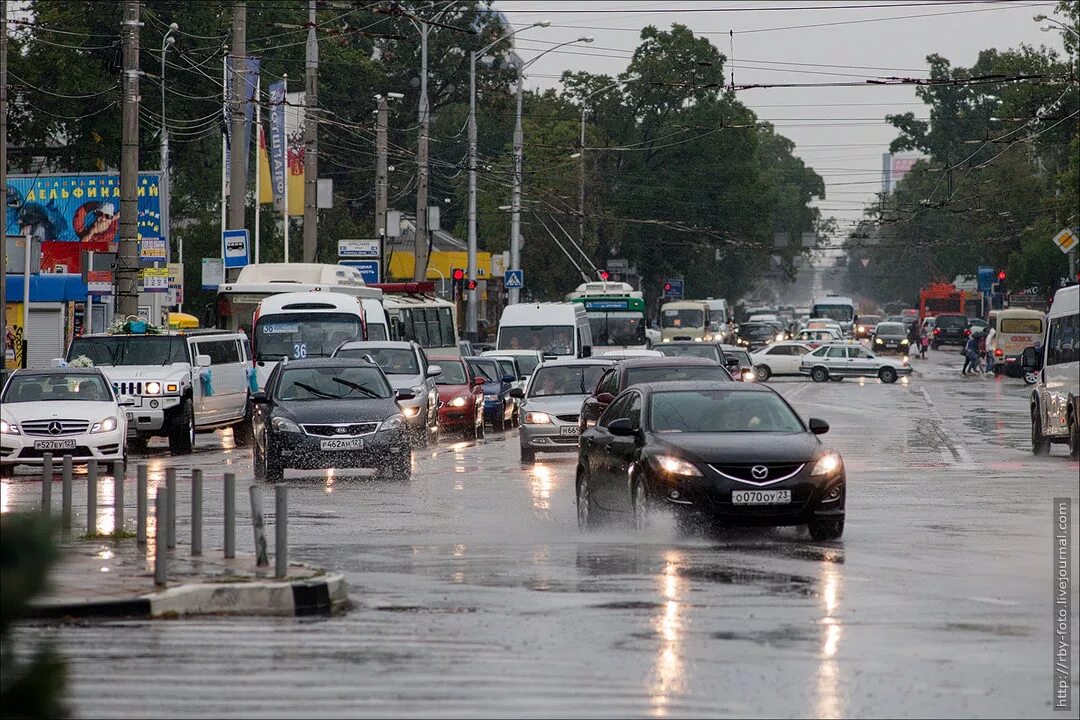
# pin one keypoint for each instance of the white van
(685, 320)
(302, 325)
(1014, 330)
(1055, 401)
(559, 330)
(720, 313)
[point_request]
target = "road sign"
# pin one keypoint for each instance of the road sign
(99, 282)
(673, 288)
(212, 273)
(514, 279)
(358, 248)
(176, 284)
(368, 268)
(154, 280)
(1066, 240)
(235, 243)
(152, 250)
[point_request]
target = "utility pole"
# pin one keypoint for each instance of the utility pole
(3, 183)
(238, 148)
(581, 181)
(311, 140)
(472, 329)
(127, 261)
(514, 294)
(382, 119)
(420, 243)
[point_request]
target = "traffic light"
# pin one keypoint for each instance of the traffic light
(604, 275)
(457, 276)
(470, 284)
(1001, 276)
(1001, 286)
(667, 288)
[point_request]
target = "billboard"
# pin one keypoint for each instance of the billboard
(894, 168)
(79, 208)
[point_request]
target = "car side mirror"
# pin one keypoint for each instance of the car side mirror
(1029, 359)
(259, 397)
(518, 393)
(818, 426)
(508, 378)
(404, 394)
(605, 398)
(478, 381)
(202, 361)
(434, 371)
(621, 427)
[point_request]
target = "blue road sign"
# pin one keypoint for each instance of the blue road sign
(673, 288)
(368, 268)
(235, 243)
(514, 279)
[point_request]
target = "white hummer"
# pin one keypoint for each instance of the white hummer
(181, 382)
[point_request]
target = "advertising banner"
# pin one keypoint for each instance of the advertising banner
(277, 142)
(251, 85)
(294, 139)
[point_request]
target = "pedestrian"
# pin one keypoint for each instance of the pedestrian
(991, 346)
(971, 357)
(924, 345)
(980, 349)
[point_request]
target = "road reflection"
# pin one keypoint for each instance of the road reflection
(829, 702)
(669, 678)
(540, 482)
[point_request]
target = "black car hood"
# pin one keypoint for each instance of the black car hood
(338, 411)
(739, 447)
(892, 336)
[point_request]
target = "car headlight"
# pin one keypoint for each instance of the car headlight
(779, 337)
(394, 422)
(457, 402)
(9, 428)
(104, 425)
(697, 339)
(829, 464)
(862, 328)
(152, 388)
(537, 418)
(749, 375)
(905, 341)
(667, 340)
(675, 466)
(411, 411)
(281, 424)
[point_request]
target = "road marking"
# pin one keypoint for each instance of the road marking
(953, 453)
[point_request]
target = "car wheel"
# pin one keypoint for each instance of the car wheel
(182, 433)
(1039, 444)
(826, 529)
(243, 432)
(1031, 378)
(643, 508)
(7, 471)
(138, 443)
(258, 464)
(528, 457)
(472, 432)
(1074, 436)
(935, 346)
(499, 423)
(836, 378)
(887, 375)
(586, 517)
(481, 431)
(819, 374)
(763, 372)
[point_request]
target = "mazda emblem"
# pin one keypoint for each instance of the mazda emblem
(55, 428)
(760, 472)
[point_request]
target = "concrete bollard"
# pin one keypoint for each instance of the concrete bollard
(91, 496)
(281, 531)
(196, 512)
(170, 525)
(118, 496)
(65, 496)
(161, 518)
(46, 483)
(230, 515)
(258, 526)
(140, 501)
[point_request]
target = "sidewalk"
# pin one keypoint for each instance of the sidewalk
(116, 579)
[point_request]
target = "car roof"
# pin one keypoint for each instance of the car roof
(445, 358)
(687, 342)
(376, 344)
(674, 385)
(576, 363)
(328, 362)
(68, 370)
(665, 361)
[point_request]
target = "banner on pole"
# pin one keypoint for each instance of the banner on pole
(277, 142)
(294, 139)
(251, 84)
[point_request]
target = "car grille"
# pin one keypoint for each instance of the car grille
(341, 430)
(568, 418)
(62, 427)
(744, 472)
(128, 387)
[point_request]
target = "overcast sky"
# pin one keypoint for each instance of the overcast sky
(839, 131)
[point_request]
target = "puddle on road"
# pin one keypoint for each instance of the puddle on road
(775, 583)
(781, 637)
(990, 629)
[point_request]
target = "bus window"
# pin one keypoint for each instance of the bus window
(446, 323)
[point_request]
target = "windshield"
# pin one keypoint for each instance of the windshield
(527, 363)
(52, 387)
(637, 376)
(393, 361)
(565, 380)
(701, 350)
(756, 332)
(376, 332)
(551, 339)
(303, 335)
(485, 369)
(617, 328)
(721, 411)
(1031, 326)
(506, 367)
(130, 350)
(684, 318)
(840, 313)
(869, 319)
(332, 383)
(891, 329)
(951, 322)
(453, 373)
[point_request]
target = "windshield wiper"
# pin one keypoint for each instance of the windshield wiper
(316, 391)
(354, 386)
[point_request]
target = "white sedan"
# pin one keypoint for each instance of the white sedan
(837, 361)
(781, 358)
(63, 411)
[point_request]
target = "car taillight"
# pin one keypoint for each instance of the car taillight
(998, 353)
(967, 331)
(937, 331)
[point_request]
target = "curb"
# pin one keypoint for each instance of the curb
(316, 596)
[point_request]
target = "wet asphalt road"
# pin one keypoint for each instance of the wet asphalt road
(475, 594)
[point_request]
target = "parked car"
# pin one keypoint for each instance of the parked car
(722, 452)
(781, 358)
(837, 361)
(330, 413)
(407, 368)
(891, 337)
(498, 405)
(551, 405)
(461, 397)
(949, 329)
(645, 370)
(63, 411)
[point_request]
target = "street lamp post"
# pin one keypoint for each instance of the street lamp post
(471, 308)
(166, 42)
(515, 198)
(581, 156)
(1063, 26)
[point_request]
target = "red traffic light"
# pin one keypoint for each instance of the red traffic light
(667, 287)
(458, 274)
(1001, 275)
(604, 274)
(470, 285)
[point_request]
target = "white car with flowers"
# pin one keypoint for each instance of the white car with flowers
(63, 411)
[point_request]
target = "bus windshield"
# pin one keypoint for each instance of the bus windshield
(625, 328)
(428, 327)
(130, 350)
(682, 318)
(299, 336)
(840, 313)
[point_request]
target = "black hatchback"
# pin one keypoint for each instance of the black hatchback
(329, 413)
(728, 453)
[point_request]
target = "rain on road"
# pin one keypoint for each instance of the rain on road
(474, 593)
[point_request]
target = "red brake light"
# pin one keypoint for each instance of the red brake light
(998, 353)
(967, 331)
(937, 331)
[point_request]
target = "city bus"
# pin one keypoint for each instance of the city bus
(835, 307)
(415, 313)
(616, 314)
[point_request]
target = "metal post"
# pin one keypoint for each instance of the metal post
(258, 167)
(127, 262)
(170, 523)
(382, 120)
(46, 483)
(311, 139)
(140, 500)
(91, 496)
(65, 496)
(161, 555)
(420, 240)
(471, 322)
(230, 515)
(514, 294)
(258, 526)
(166, 42)
(196, 511)
(581, 181)
(281, 531)
(26, 295)
(118, 496)
(285, 165)
(237, 148)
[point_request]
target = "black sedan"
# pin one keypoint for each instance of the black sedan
(329, 413)
(724, 452)
(890, 337)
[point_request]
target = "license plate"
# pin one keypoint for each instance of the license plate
(760, 497)
(54, 444)
(342, 444)
(570, 430)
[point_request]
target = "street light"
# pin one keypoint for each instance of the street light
(515, 198)
(581, 155)
(166, 42)
(1046, 28)
(471, 309)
